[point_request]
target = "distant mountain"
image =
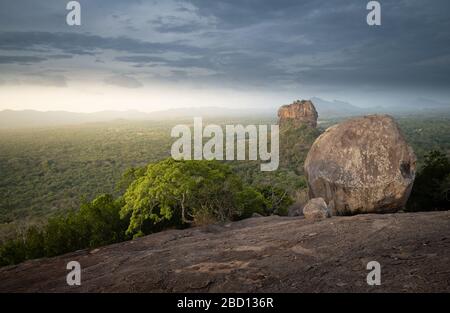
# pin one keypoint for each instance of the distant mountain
(211, 111)
(335, 108)
(32, 118)
(325, 108)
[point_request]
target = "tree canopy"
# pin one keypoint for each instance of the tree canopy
(183, 192)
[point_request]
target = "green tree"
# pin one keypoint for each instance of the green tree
(102, 221)
(277, 199)
(175, 193)
(129, 177)
(12, 252)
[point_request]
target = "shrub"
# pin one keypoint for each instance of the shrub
(96, 223)
(431, 187)
(277, 200)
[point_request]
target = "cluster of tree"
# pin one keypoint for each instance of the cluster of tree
(426, 134)
(166, 194)
(431, 189)
(179, 193)
(97, 223)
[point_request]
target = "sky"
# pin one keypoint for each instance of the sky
(156, 55)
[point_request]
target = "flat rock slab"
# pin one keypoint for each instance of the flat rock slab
(266, 254)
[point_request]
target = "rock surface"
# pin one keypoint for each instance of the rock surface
(362, 165)
(298, 113)
(316, 209)
(266, 254)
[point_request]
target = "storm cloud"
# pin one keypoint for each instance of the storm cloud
(293, 44)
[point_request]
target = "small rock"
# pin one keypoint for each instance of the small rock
(316, 208)
(256, 215)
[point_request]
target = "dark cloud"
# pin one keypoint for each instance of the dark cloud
(142, 60)
(28, 60)
(23, 60)
(320, 43)
(85, 44)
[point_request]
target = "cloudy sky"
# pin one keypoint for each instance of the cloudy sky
(152, 55)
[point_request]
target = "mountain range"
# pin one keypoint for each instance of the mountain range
(326, 109)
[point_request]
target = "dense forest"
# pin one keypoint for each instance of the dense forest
(87, 182)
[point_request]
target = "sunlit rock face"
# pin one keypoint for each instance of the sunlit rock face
(298, 113)
(362, 165)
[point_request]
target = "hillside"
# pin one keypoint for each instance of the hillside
(266, 254)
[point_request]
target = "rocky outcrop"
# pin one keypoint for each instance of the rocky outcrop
(363, 165)
(265, 254)
(298, 113)
(316, 209)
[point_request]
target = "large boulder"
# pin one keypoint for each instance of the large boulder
(362, 165)
(298, 113)
(316, 209)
